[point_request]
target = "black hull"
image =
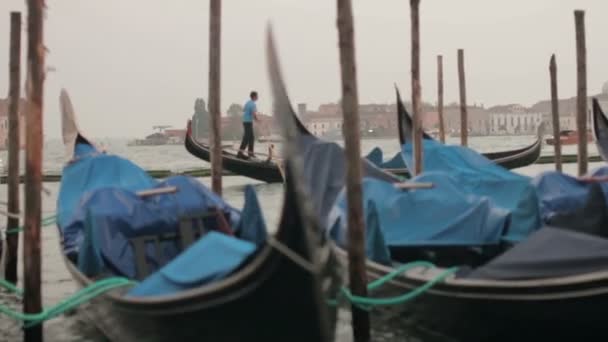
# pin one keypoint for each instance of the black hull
(262, 171)
(270, 299)
(511, 159)
(600, 130)
(474, 312)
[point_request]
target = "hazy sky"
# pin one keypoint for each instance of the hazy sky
(132, 64)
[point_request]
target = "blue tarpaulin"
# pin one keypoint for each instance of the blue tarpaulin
(212, 257)
(477, 175)
(560, 192)
(376, 248)
(110, 217)
(441, 216)
(101, 214)
(89, 171)
(376, 156)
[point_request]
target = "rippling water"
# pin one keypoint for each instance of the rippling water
(57, 283)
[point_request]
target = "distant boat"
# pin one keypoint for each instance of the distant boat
(569, 137)
(163, 137)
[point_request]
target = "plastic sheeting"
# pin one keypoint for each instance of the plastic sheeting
(376, 157)
(111, 217)
(478, 176)
(215, 255)
(91, 170)
(548, 252)
(324, 170)
(376, 248)
(560, 192)
(441, 216)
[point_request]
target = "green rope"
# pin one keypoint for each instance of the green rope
(367, 303)
(47, 221)
(82, 296)
(8, 285)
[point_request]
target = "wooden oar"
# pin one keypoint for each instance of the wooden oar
(159, 191)
(412, 185)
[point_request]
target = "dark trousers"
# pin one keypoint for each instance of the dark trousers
(247, 137)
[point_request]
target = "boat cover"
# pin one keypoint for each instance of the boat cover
(109, 218)
(90, 170)
(376, 248)
(215, 255)
(251, 225)
(477, 175)
(440, 216)
(376, 157)
(560, 192)
(324, 173)
(548, 252)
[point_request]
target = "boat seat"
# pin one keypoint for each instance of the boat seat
(191, 228)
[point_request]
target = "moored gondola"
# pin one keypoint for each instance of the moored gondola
(511, 159)
(115, 221)
(551, 284)
(600, 129)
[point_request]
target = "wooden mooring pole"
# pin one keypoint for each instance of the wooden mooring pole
(557, 144)
(581, 94)
(32, 296)
(350, 112)
(463, 100)
(416, 105)
(215, 30)
(14, 95)
(440, 98)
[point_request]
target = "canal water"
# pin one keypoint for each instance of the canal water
(57, 283)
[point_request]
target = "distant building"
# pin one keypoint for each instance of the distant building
(4, 124)
(514, 119)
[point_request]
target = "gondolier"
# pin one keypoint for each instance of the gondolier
(249, 114)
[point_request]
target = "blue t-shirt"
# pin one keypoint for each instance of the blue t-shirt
(248, 111)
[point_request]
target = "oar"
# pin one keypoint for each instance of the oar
(412, 185)
(159, 191)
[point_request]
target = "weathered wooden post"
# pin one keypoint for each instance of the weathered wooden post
(463, 100)
(14, 95)
(581, 94)
(416, 105)
(32, 297)
(557, 144)
(440, 98)
(350, 112)
(215, 116)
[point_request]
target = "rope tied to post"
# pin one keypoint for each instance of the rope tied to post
(84, 295)
(368, 303)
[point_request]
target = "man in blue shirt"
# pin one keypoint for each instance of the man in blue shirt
(250, 113)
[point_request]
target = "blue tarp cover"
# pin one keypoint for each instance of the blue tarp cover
(560, 192)
(477, 175)
(376, 156)
(212, 257)
(110, 217)
(100, 213)
(440, 216)
(376, 248)
(89, 171)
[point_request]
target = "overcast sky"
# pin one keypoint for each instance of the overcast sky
(132, 64)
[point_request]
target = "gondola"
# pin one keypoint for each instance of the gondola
(517, 293)
(262, 170)
(600, 129)
(276, 292)
(508, 159)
